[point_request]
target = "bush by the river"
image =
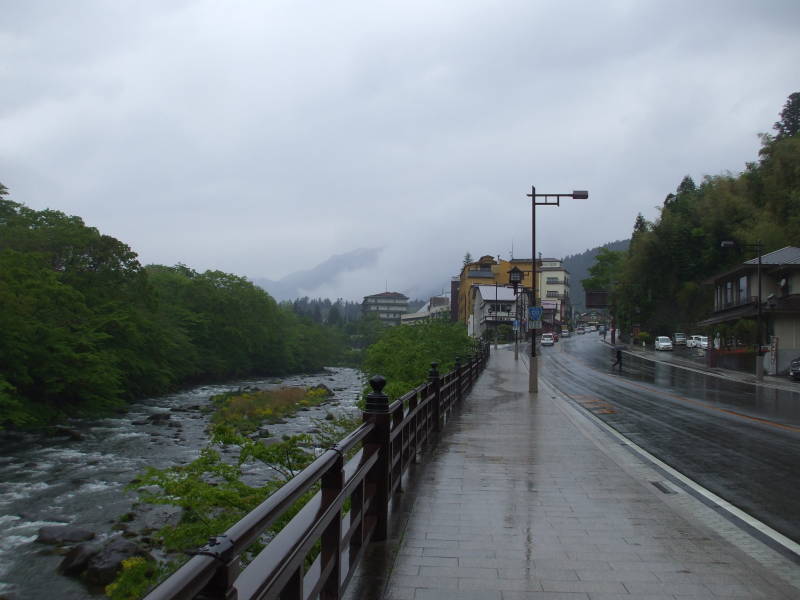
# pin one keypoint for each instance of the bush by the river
(403, 355)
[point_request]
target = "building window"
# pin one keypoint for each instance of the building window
(742, 289)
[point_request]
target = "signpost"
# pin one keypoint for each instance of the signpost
(534, 317)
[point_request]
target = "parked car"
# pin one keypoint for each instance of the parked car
(547, 339)
(679, 339)
(663, 343)
(698, 341)
(794, 369)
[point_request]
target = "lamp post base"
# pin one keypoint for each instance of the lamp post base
(533, 376)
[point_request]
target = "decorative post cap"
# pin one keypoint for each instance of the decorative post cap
(377, 401)
(434, 372)
(377, 383)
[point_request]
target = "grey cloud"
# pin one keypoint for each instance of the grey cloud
(263, 138)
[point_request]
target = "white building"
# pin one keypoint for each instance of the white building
(492, 306)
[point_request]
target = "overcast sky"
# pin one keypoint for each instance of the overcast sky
(260, 138)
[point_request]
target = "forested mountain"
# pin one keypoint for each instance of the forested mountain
(578, 267)
(659, 279)
(85, 327)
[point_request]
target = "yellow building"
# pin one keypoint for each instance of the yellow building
(552, 283)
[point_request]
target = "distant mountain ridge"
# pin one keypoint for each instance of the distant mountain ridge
(578, 266)
(293, 285)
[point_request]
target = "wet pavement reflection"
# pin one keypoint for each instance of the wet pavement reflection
(739, 440)
(522, 496)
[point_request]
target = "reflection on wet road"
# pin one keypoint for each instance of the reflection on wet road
(741, 441)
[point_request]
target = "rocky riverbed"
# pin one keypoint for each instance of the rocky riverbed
(76, 475)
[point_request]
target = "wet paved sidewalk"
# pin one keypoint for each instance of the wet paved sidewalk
(524, 497)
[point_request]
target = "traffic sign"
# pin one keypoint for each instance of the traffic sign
(535, 313)
(536, 324)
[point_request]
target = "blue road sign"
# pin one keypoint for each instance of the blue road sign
(535, 313)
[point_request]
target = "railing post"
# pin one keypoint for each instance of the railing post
(376, 412)
(331, 541)
(458, 383)
(221, 585)
(436, 382)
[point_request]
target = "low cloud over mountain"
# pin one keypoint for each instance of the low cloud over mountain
(324, 275)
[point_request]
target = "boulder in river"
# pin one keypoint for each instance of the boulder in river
(61, 430)
(150, 517)
(99, 564)
(63, 534)
(76, 560)
(158, 418)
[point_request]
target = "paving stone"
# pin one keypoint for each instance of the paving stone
(517, 501)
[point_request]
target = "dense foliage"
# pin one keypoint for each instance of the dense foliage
(403, 355)
(578, 266)
(86, 327)
(658, 282)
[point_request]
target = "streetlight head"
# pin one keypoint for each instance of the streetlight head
(727, 244)
(580, 194)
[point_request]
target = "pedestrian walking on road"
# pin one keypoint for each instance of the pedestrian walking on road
(618, 361)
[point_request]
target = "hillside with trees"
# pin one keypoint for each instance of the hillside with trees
(85, 327)
(578, 265)
(658, 281)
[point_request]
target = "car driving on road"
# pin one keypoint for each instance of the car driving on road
(679, 339)
(547, 339)
(663, 343)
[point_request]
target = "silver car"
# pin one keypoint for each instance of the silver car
(663, 343)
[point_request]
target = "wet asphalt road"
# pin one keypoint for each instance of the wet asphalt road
(738, 440)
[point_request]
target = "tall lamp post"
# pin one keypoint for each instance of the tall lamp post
(546, 200)
(515, 278)
(759, 248)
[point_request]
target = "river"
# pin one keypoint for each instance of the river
(81, 482)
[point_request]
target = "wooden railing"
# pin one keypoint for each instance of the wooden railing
(391, 438)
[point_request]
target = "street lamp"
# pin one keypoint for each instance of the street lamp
(515, 278)
(759, 248)
(533, 374)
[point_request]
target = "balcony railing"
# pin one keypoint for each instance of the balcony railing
(741, 301)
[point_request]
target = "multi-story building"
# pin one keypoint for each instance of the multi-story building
(492, 306)
(736, 297)
(389, 306)
(552, 286)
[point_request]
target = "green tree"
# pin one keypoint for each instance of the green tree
(789, 123)
(403, 354)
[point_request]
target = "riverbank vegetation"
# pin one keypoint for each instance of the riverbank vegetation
(403, 355)
(658, 281)
(245, 411)
(85, 327)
